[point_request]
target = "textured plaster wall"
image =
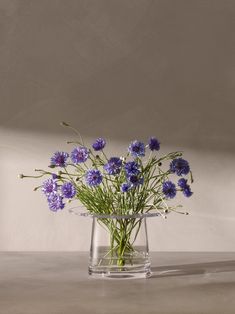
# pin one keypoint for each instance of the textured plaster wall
(123, 70)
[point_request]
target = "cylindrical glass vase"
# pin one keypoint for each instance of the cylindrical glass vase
(119, 247)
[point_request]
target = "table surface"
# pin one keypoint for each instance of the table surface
(58, 283)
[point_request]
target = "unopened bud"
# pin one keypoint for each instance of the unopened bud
(21, 176)
(64, 123)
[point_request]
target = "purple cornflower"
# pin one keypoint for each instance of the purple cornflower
(93, 177)
(79, 154)
(55, 202)
(113, 166)
(59, 159)
(125, 187)
(185, 187)
(182, 183)
(154, 144)
(68, 190)
(132, 167)
(99, 144)
(49, 186)
(137, 149)
(187, 191)
(179, 166)
(169, 189)
(135, 180)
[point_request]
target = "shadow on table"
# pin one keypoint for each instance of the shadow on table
(193, 269)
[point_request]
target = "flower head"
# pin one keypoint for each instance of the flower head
(187, 191)
(185, 187)
(49, 186)
(132, 167)
(169, 189)
(179, 166)
(93, 177)
(68, 190)
(79, 154)
(59, 159)
(113, 166)
(99, 144)
(137, 149)
(55, 202)
(154, 144)
(125, 187)
(135, 180)
(183, 183)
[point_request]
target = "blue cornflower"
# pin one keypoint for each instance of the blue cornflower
(125, 187)
(55, 202)
(135, 180)
(93, 177)
(79, 154)
(137, 149)
(183, 183)
(68, 190)
(132, 167)
(185, 187)
(187, 191)
(179, 166)
(59, 159)
(113, 166)
(49, 186)
(154, 144)
(169, 189)
(99, 144)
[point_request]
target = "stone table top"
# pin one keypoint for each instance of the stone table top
(58, 283)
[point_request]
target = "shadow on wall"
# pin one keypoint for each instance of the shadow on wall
(121, 69)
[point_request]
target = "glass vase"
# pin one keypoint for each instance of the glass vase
(119, 247)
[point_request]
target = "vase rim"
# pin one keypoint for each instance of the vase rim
(82, 211)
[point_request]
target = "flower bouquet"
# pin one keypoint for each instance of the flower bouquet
(119, 193)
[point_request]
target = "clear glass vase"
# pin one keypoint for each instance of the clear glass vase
(119, 246)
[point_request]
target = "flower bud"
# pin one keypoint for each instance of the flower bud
(64, 123)
(52, 166)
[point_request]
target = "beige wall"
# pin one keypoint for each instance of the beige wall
(123, 70)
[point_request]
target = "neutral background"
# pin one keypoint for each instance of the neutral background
(124, 70)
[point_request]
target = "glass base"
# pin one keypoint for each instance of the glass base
(131, 272)
(119, 248)
(134, 264)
